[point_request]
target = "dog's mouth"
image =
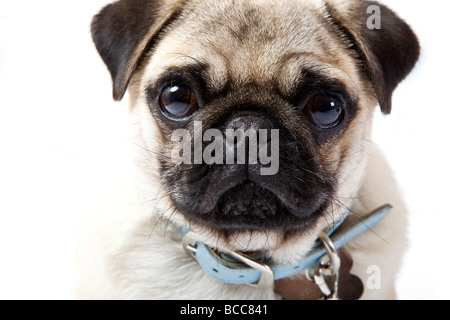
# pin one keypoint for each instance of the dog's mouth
(248, 200)
(251, 207)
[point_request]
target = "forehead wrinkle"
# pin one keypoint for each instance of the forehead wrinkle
(219, 71)
(292, 65)
(209, 40)
(178, 60)
(258, 60)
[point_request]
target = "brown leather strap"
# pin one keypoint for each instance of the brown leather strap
(300, 288)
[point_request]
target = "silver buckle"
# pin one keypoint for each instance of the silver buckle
(190, 244)
(267, 279)
(326, 274)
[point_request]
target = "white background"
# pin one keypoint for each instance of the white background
(57, 120)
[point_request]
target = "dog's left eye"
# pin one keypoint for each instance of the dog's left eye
(178, 101)
(324, 111)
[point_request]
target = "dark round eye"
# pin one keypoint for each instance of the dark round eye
(324, 111)
(178, 101)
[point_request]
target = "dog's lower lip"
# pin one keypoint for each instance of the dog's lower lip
(249, 199)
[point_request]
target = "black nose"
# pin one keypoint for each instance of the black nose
(246, 133)
(249, 120)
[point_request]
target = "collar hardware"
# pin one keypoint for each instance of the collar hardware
(267, 279)
(322, 264)
(326, 274)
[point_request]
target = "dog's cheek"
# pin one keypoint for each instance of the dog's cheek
(145, 141)
(352, 154)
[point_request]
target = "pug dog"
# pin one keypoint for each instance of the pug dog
(305, 76)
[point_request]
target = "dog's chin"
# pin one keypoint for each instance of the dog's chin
(249, 207)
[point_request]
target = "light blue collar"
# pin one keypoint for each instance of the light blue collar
(236, 268)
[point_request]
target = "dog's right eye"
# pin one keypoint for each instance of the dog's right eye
(178, 101)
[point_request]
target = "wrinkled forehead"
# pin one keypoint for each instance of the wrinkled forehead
(263, 41)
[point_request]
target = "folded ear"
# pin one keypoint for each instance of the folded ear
(122, 32)
(385, 44)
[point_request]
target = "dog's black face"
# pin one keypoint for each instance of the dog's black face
(236, 196)
(302, 76)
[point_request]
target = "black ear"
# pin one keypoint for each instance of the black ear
(122, 32)
(388, 48)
